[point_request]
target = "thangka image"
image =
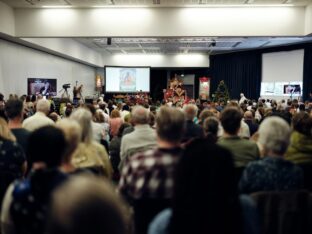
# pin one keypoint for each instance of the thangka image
(127, 80)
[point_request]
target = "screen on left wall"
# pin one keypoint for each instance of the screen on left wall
(43, 86)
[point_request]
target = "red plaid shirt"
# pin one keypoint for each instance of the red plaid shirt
(149, 174)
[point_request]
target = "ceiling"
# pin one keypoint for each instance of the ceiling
(186, 45)
(149, 3)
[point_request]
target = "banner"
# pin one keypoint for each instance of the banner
(204, 88)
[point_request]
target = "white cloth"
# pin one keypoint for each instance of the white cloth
(36, 121)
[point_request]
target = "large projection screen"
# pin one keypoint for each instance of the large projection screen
(280, 69)
(127, 79)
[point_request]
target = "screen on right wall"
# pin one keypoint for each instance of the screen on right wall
(282, 74)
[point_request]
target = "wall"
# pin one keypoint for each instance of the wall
(157, 60)
(235, 21)
(308, 20)
(70, 48)
(7, 19)
(17, 63)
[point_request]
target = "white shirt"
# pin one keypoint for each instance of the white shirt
(38, 120)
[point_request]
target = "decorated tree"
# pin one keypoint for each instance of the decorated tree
(222, 93)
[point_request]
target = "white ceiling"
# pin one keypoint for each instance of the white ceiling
(206, 45)
(149, 3)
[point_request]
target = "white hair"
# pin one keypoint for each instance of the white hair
(43, 106)
(274, 135)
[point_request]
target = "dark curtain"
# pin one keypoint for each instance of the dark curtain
(158, 82)
(307, 72)
(241, 73)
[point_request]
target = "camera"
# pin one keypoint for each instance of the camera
(66, 86)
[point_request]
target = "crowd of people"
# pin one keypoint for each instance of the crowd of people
(157, 168)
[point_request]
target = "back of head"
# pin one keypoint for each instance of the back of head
(190, 111)
(170, 124)
(43, 106)
(139, 115)
(214, 206)
(84, 118)
(86, 205)
(46, 145)
(274, 135)
(302, 122)
(72, 133)
(231, 120)
(211, 125)
(14, 108)
(115, 113)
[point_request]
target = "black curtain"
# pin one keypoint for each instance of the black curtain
(307, 72)
(241, 73)
(158, 82)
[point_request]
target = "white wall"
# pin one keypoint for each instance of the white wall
(157, 60)
(308, 20)
(7, 19)
(17, 63)
(237, 21)
(69, 47)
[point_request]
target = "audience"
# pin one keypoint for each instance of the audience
(90, 154)
(12, 159)
(192, 130)
(14, 112)
(205, 196)
(24, 208)
(273, 172)
(147, 177)
(72, 133)
(244, 151)
(115, 122)
(39, 119)
(87, 205)
(141, 139)
(183, 160)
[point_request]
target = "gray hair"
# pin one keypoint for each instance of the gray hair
(211, 125)
(274, 135)
(170, 124)
(190, 111)
(84, 118)
(43, 106)
(140, 115)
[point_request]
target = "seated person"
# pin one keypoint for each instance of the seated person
(25, 204)
(85, 204)
(205, 196)
(273, 172)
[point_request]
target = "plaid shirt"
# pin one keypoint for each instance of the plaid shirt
(149, 174)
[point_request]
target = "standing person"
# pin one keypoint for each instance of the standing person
(242, 98)
(147, 178)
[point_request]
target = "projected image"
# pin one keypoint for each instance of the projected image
(127, 80)
(281, 88)
(45, 87)
(292, 89)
